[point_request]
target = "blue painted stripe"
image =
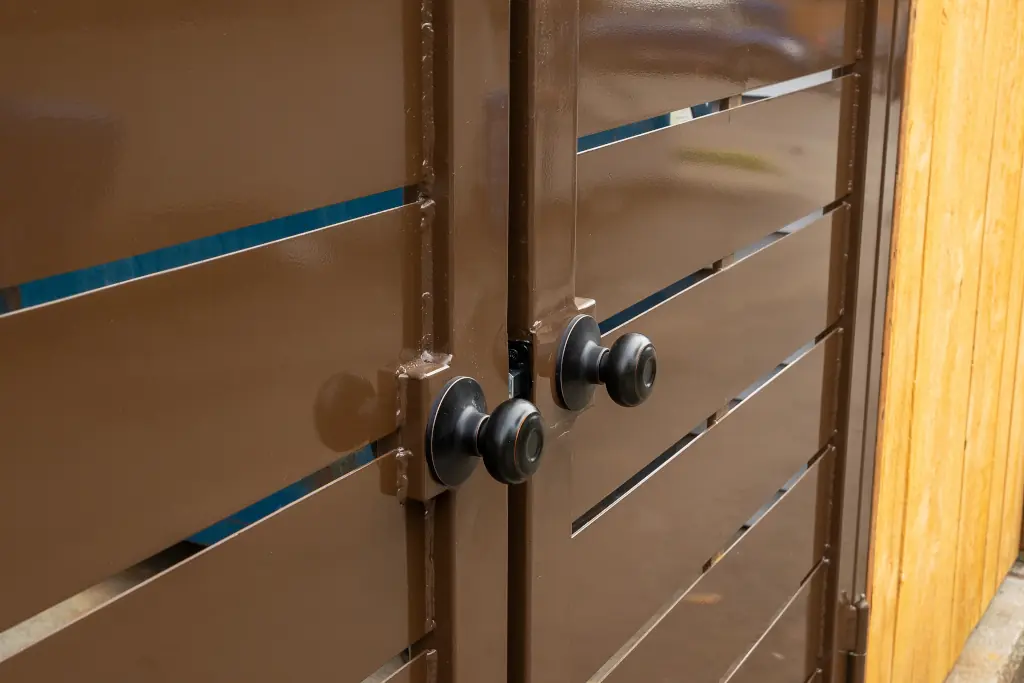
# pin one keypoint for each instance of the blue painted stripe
(272, 503)
(701, 110)
(629, 130)
(87, 279)
(646, 304)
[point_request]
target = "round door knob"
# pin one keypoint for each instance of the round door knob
(460, 433)
(628, 369)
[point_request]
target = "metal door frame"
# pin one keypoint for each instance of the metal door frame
(877, 157)
(463, 260)
(542, 254)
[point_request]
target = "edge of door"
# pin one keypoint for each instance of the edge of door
(464, 50)
(881, 65)
(542, 284)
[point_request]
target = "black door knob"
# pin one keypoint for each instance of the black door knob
(628, 369)
(460, 433)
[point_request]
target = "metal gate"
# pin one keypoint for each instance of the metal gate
(702, 535)
(276, 277)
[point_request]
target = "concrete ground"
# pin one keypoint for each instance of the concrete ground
(994, 652)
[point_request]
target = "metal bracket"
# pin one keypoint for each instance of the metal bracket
(419, 382)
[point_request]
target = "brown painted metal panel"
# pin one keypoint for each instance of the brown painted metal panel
(657, 538)
(718, 619)
(790, 651)
(131, 126)
(684, 209)
(327, 589)
(134, 416)
(713, 340)
(639, 60)
(683, 197)
(237, 376)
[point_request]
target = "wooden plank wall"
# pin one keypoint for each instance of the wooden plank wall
(949, 479)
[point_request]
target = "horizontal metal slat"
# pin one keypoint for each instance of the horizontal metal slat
(639, 60)
(790, 651)
(130, 126)
(324, 590)
(134, 416)
(656, 539)
(683, 197)
(413, 671)
(713, 341)
(719, 618)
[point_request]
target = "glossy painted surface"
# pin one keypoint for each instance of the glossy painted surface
(790, 651)
(648, 216)
(467, 257)
(655, 540)
(641, 58)
(718, 619)
(645, 220)
(542, 255)
(543, 163)
(181, 398)
(304, 595)
(134, 416)
(128, 126)
(713, 341)
(185, 396)
(682, 197)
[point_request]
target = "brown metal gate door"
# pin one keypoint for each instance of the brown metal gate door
(685, 538)
(242, 245)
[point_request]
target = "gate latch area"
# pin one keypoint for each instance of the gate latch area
(520, 369)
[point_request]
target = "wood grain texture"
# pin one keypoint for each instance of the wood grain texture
(945, 336)
(900, 362)
(949, 480)
(986, 363)
(1004, 194)
(1013, 493)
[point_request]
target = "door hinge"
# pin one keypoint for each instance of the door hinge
(856, 657)
(520, 368)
